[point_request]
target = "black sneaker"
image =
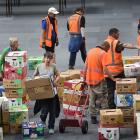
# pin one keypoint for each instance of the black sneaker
(94, 120)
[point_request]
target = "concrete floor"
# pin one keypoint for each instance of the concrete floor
(101, 15)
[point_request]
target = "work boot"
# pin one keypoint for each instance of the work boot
(94, 120)
(71, 67)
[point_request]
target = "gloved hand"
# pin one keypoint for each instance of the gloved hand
(43, 45)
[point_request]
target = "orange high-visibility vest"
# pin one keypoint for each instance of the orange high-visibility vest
(74, 24)
(114, 61)
(47, 36)
(94, 66)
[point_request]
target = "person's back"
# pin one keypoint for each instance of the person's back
(94, 66)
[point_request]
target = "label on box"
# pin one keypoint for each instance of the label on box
(108, 133)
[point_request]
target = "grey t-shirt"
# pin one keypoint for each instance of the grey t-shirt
(42, 69)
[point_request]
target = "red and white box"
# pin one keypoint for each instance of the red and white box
(75, 84)
(12, 73)
(73, 110)
(16, 59)
(108, 133)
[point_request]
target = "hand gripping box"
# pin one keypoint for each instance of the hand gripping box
(40, 88)
(126, 85)
(32, 130)
(108, 133)
(111, 117)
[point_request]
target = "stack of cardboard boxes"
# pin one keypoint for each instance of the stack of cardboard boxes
(110, 121)
(64, 76)
(13, 110)
(75, 97)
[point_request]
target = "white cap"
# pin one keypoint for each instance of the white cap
(53, 11)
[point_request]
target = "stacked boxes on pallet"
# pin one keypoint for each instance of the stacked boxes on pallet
(74, 97)
(15, 71)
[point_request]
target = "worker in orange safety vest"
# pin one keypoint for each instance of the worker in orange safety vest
(114, 62)
(49, 35)
(94, 78)
(76, 28)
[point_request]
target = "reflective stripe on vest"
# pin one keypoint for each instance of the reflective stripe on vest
(114, 60)
(74, 24)
(48, 32)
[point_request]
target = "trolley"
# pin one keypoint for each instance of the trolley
(76, 117)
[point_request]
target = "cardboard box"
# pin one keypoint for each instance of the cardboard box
(138, 124)
(75, 84)
(132, 70)
(32, 130)
(128, 120)
(124, 100)
(111, 117)
(74, 110)
(40, 88)
(11, 73)
(17, 115)
(6, 128)
(74, 99)
(127, 112)
(14, 102)
(136, 103)
(68, 75)
(5, 117)
(108, 134)
(131, 59)
(126, 85)
(14, 83)
(60, 91)
(33, 62)
(16, 59)
(14, 93)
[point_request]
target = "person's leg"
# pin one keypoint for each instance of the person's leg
(44, 111)
(72, 60)
(111, 91)
(92, 107)
(51, 113)
(83, 52)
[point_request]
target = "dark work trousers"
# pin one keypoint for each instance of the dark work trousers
(111, 85)
(73, 55)
(48, 106)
